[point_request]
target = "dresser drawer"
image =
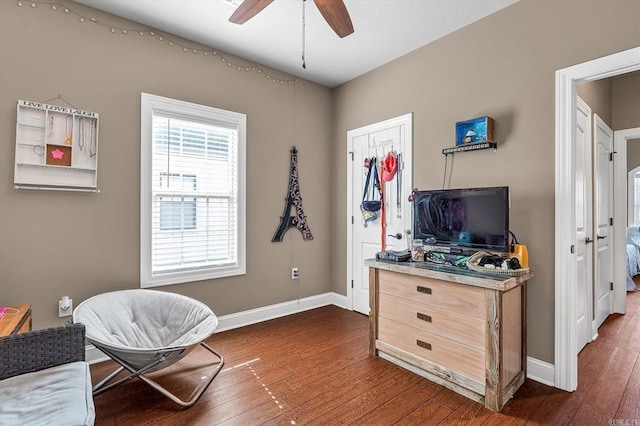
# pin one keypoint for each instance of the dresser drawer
(460, 298)
(454, 326)
(444, 352)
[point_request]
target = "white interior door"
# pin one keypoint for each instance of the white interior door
(584, 254)
(364, 242)
(603, 268)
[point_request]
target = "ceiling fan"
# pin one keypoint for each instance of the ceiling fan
(333, 11)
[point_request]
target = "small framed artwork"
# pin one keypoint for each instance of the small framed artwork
(58, 155)
(476, 130)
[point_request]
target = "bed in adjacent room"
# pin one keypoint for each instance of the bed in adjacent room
(633, 256)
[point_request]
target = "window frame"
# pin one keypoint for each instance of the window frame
(151, 104)
(631, 197)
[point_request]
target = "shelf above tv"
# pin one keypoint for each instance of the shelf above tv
(470, 147)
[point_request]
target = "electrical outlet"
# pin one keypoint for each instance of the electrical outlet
(65, 307)
(295, 273)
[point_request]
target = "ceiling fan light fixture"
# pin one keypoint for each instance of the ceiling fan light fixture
(334, 12)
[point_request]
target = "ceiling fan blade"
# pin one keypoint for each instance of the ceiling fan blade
(336, 15)
(247, 10)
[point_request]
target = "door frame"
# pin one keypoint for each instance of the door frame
(407, 174)
(565, 353)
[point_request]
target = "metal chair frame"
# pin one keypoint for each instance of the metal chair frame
(161, 355)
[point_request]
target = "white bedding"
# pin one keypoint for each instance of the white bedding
(633, 255)
(633, 265)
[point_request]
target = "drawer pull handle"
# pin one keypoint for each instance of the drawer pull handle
(423, 344)
(424, 317)
(425, 290)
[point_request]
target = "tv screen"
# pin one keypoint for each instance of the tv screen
(473, 218)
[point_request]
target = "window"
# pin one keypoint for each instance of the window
(633, 194)
(192, 192)
(177, 213)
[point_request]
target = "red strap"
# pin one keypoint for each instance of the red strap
(383, 220)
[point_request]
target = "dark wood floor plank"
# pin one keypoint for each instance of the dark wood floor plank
(311, 387)
(258, 415)
(629, 407)
(309, 411)
(558, 408)
(324, 365)
(606, 393)
(425, 414)
(351, 411)
(525, 403)
(470, 413)
(396, 408)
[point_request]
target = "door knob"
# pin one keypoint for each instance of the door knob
(588, 240)
(397, 236)
(602, 238)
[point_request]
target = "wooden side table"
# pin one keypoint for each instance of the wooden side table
(12, 323)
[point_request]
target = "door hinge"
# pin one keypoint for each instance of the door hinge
(351, 283)
(611, 286)
(573, 249)
(611, 155)
(610, 221)
(351, 154)
(352, 220)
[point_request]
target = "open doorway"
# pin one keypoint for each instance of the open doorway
(566, 365)
(627, 196)
(614, 104)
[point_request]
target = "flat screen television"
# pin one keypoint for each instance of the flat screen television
(463, 220)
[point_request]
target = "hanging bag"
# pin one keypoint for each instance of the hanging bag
(371, 205)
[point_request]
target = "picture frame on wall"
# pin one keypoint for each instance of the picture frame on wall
(476, 130)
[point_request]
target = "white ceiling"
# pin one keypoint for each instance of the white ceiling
(384, 30)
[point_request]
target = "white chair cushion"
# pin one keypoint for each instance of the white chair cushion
(145, 320)
(59, 395)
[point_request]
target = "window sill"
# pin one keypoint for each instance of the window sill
(171, 278)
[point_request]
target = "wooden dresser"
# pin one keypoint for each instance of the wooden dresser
(463, 330)
(13, 322)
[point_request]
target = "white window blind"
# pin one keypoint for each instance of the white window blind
(193, 192)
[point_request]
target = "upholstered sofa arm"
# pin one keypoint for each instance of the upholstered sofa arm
(40, 349)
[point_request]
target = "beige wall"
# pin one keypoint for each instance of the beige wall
(625, 92)
(626, 111)
(617, 101)
(79, 244)
(597, 94)
(502, 66)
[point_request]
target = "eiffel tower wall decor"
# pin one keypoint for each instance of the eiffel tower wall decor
(299, 220)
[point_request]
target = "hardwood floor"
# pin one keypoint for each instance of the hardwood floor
(314, 368)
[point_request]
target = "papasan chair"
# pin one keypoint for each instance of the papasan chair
(146, 331)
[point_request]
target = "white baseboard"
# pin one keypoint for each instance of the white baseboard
(541, 371)
(339, 300)
(265, 313)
